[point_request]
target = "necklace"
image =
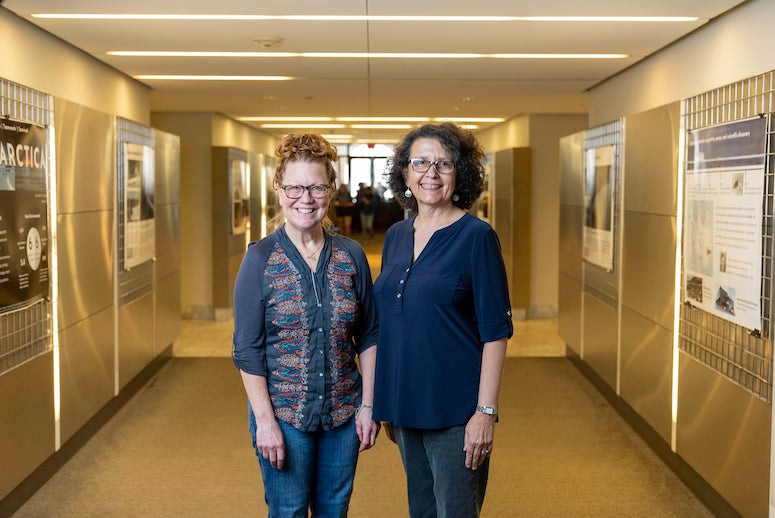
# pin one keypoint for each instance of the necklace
(311, 256)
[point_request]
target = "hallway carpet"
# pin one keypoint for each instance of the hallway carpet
(180, 448)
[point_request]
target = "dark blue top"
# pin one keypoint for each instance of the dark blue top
(303, 331)
(435, 316)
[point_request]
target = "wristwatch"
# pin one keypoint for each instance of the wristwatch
(487, 410)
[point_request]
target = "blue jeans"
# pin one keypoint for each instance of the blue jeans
(318, 472)
(437, 481)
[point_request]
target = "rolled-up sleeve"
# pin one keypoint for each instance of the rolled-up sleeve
(365, 331)
(249, 340)
(491, 292)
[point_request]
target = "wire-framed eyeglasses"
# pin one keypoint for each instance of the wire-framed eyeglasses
(421, 165)
(317, 190)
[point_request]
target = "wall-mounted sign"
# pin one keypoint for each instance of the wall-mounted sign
(24, 265)
(139, 205)
(722, 237)
(597, 235)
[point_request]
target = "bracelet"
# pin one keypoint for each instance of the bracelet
(363, 405)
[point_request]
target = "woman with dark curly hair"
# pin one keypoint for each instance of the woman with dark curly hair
(303, 311)
(444, 319)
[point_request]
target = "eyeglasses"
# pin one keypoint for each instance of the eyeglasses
(294, 192)
(420, 165)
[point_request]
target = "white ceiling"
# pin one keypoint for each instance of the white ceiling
(361, 87)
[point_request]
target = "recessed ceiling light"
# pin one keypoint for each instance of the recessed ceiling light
(367, 18)
(311, 126)
(211, 78)
(361, 55)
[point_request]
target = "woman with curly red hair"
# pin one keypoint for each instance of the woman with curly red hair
(303, 312)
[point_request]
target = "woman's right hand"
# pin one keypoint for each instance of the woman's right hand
(270, 442)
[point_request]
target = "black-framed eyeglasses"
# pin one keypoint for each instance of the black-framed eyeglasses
(294, 192)
(421, 165)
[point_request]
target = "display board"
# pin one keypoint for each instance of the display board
(597, 234)
(139, 205)
(724, 186)
(24, 266)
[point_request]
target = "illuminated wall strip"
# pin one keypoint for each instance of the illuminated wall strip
(677, 285)
(54, 272)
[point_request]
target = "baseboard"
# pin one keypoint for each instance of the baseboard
(708, 495)
(24, 491)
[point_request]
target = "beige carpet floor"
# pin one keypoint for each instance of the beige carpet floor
(180, 448)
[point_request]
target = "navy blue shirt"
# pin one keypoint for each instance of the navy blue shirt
(435, 314)
(302, 331)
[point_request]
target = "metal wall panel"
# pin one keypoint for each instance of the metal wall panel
(85, 265)
(136, 347)
(648, 266)
(167, 239)
(167, 286)
(85, 157)
(167, 310)
(512, 173)
(86, 363)
(646, 371)
(651, 160)
(569, 312)
(572, 169)
(27, 428)
(570, 246)
(571, 242)
(167, 162)
(723, 432)
(600, 329)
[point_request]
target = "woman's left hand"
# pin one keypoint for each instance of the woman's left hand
(366, 428)
(480, 432)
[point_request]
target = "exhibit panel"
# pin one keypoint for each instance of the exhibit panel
(27, 355)
(724, 394)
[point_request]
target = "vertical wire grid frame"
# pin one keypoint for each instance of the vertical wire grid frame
(25, 328)
(138, 281)
(742, 356)
(598, 281)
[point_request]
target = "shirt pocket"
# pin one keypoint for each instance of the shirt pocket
(384, 276)
(437, 288)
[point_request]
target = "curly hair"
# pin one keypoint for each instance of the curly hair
(467, 154)
(306, 147)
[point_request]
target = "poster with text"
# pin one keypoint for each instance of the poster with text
(240, 196)
(139, 208)
(24, 261)
(597, 234)
(723, 214)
